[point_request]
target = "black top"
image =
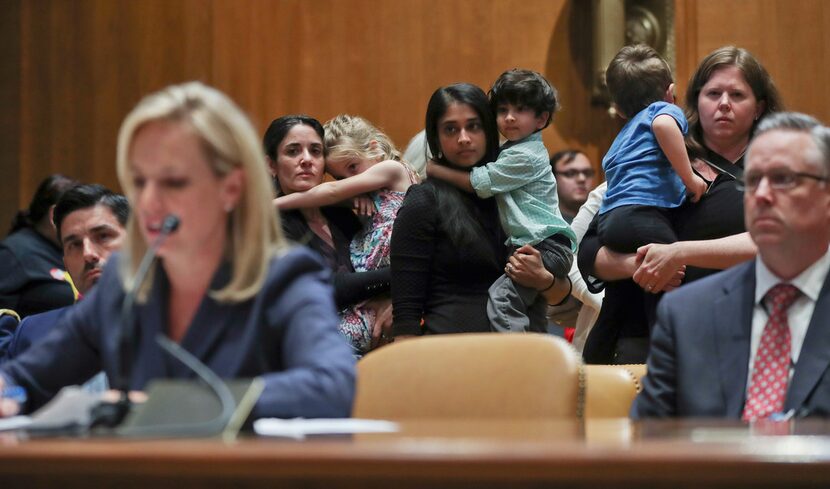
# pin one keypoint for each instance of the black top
(625, 311)
(350, 287)
(31, 270)
(435, 280)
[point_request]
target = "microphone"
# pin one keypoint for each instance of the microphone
(168, 226)
(111, 414)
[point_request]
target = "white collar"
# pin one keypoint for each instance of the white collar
(809, 282)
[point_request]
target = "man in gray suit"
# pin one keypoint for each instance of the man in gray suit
(753, 341)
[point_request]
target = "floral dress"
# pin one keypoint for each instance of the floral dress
(370, 251)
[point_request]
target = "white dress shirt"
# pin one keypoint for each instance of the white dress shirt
(809, 283)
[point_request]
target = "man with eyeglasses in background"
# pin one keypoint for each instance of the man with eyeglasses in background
(753, 342)
(574, 180)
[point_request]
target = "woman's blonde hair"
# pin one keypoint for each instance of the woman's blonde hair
(352, 136)
(229, 142)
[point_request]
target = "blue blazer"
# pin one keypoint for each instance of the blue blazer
(8, 325)
(32, 329)
(700, 346)
(287, 334)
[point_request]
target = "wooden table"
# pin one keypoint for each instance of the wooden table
(480, 454)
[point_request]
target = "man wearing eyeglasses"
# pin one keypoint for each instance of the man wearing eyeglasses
(753, 342)
(574, 180)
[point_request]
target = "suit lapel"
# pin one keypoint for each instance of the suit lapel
(732, 314)
(208, 326)
(151, 318)
(815, 353)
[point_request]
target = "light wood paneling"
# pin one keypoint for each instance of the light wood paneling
(73, 68)
(83, 65)
(379, 59)
(10, 114)
(791, 38)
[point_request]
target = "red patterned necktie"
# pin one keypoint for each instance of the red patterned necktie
(771, 369)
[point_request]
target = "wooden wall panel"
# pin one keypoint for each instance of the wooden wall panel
(75, 67)
(791, 38)
(10, 161)
(84, 65)
(380, 59)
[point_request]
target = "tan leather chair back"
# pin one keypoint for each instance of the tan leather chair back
(484, 375)
(638, 370)
(610, 390)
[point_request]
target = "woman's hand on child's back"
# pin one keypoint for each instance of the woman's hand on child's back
(660, 269)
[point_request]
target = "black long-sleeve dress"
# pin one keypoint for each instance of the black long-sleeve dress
(350, 287)
(435, 280)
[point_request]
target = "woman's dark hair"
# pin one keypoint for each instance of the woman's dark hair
(279, 128)
(460, 93)
(47, 194)
(757, 77)
(463, 221)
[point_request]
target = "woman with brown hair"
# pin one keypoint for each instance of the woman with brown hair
(728, 94)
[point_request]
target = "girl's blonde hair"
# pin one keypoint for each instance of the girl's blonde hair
(230, 142)
(352, 136)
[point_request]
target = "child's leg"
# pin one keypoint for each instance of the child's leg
(636, 226)
(626, 228)
(556, 255)
(508, 307)
(514, 308)
(557, 259)
(356, 325)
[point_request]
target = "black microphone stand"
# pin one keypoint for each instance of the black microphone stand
(112, 414)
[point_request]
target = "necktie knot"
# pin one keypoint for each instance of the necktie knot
(782, 296)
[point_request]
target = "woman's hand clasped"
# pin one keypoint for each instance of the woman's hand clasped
(660, 268)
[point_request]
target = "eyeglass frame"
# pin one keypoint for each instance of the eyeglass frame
(573, 173)
(792, 180)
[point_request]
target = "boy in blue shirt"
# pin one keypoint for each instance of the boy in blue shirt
(525, 191)
(647, 167)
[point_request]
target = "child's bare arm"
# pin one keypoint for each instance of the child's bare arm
(380, 175)
(670, 139)
(460, 179)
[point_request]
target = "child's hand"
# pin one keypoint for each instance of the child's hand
(697, 187)
(363, 205)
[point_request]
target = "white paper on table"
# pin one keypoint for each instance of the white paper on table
(14, 423)
(301, 427)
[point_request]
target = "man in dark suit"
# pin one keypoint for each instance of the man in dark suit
(753, 341)
(90, 221)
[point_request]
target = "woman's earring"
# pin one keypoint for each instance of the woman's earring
(440, 155)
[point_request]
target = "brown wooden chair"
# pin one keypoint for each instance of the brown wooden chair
(522, 376)
(610, 389)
